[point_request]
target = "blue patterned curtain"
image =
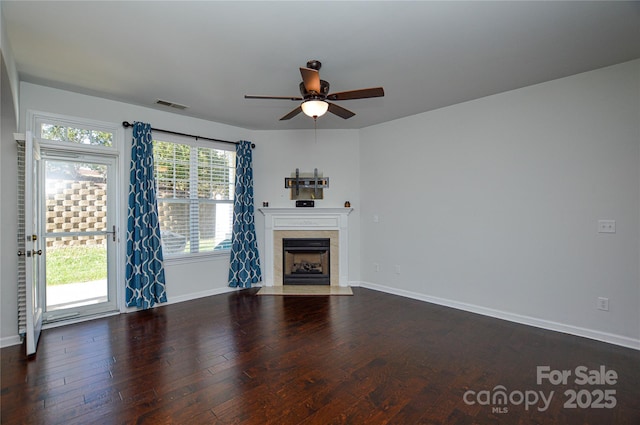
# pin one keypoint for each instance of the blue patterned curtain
(244, 267)
(145, 284)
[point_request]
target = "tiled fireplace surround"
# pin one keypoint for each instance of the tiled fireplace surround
(329, 223)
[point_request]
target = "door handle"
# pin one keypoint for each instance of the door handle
(38, 252)
(112, 233)
(20, 253)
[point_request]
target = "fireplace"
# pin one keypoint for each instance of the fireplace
(308, 223)
(306, 261)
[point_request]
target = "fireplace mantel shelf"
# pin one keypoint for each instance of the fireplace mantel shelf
(294, 210)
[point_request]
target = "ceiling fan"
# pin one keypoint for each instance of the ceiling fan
(315, 95)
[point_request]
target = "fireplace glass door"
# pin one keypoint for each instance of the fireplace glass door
(305, 261)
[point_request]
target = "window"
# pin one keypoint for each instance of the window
(76, 135)
(195, 187)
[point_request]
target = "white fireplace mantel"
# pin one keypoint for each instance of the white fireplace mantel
(306, 219)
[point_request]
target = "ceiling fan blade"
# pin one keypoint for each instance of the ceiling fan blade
(340, 111)
(311, 79)
(292, 114)
(246, 96)
(357, 94)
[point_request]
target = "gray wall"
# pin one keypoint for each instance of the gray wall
(492, 205)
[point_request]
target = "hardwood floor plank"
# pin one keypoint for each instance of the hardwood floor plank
(370, 358)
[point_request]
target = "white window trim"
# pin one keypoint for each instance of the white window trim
(36, 118)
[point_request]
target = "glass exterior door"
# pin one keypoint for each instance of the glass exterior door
(33, 244)
(80, 238)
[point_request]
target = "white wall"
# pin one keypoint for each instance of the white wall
(492, 205)
(185, 280)
(335, 154)
(8, 191)
(8, 214)
(9, 71)
(277, 154)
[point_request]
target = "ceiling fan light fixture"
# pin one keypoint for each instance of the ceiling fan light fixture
(314, 107)
(315, 93)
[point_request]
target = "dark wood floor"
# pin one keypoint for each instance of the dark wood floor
(371, 358)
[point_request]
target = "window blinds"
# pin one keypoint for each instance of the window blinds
(22, 280)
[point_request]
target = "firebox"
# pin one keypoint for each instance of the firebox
(305, 261)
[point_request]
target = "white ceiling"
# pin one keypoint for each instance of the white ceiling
(209, 54)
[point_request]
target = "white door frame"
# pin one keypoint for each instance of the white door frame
(117, 152)
(111, 305)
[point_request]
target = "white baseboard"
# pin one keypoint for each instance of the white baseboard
(8, 341)
(201, 294)
(512, 317)
(187, 297)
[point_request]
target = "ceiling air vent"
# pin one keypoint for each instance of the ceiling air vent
(171, 104)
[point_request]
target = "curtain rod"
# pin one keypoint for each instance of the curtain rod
(126, 124)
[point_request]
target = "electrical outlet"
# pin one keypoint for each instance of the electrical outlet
(603, 304)
(376, 218)
(606, 226)
(397, 269)
(376, 267)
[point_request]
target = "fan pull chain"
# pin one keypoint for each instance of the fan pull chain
(315, 128)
